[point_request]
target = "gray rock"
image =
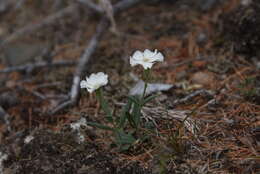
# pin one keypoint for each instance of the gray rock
(151, 88)
(202, 38)
(206, 5)
(8, 99)
(20, 52)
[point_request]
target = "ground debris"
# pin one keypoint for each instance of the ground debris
(242, 27)
(60, 153)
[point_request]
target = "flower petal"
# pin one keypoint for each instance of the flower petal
(94, 81)
(90, 90)
(147, 65)
(138, 55)
(148, 54)
(133, 62)
(146, 58)
(159, 57)
(83, 84)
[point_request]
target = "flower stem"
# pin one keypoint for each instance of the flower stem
(104, 105)
(145, 87)
(146, 77)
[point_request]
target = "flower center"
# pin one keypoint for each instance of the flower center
(146, 59)
(95, 86)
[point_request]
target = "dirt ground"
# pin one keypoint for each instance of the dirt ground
(211, 50)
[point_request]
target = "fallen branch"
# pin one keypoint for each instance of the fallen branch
(48, 85)
(32, 27)
(182, 115)
(90, 49)
(70, 9)
(41, 96)
(120, 6)
(92, 6)
(192, 95)
(171, 66)
(31, 66)
(125, 4)
(159, 113)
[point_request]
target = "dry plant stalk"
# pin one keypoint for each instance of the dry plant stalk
(109, 12)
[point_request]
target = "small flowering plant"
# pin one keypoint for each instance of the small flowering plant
(131, 113)
(94, 83)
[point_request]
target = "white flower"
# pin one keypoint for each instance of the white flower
(146, 58)
(94, 81)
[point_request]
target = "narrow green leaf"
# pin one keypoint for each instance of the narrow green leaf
(100, 126)
(148, 99)
(124, 148)
(131, 120)
(136, 114)
(104, 105)
(123, 116)
(145, 87)
(124, 138)
(134, 99)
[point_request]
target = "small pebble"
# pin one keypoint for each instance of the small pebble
(8, 99)
(202, 38)
(203, 78)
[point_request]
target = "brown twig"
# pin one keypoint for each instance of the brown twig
(32, 66)
(92, 6)
(120, 6)
(48, 85)
(125, 4)
(70, 9)
(155, 113)
(192, 95)
(32, 27)
(171, 66)
(90, 49)
(52, 18)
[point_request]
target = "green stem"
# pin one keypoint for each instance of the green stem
(145, 87)
(104, 105)
(146, 79)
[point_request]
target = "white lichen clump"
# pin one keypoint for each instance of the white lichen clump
(78, 124)
(28, 139)
(76, 127)
(3, 157)
(94, 81)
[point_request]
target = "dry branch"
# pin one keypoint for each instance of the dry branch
(192, 95)
(70, 9)
(31, 66)
(188, 61)
(182, 115)
(51, 19)
(159, 113)
(92, 6)
(48, 20)
(120, 6)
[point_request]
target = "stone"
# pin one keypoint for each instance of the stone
(203, 78)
